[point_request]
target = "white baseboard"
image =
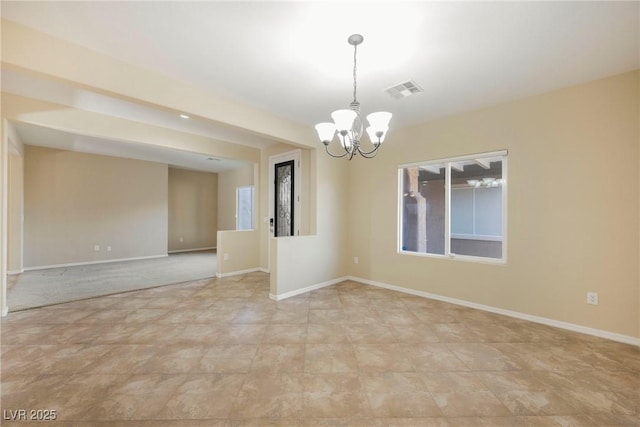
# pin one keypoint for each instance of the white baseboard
(235, 273)
(5, 311)
(264, 270)
(105, 261)
(290, 294)
(192, 250)
(14, 272)
(536, 319)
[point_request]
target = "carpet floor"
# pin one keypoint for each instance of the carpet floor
(58, 285)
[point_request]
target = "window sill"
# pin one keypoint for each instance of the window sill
(476, 237)
(457, 257)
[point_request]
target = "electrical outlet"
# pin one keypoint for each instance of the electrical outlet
(225, 257)
(108, 248)
(181, 239)
(96, 248)
(592, 298)
(355, 260)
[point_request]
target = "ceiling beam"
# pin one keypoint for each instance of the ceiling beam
(457, 166)
(87, 123)
(432, 169)
(482, 163)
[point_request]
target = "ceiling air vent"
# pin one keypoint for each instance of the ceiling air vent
(405, 89)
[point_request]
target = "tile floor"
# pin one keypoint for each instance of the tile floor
(220, 353)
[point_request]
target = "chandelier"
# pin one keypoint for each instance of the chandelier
(349, 125)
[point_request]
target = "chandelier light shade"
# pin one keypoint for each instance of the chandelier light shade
(326, 131)
(348, 124)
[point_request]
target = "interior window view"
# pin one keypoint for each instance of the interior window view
(327, 214)
(244, 210)
(455, 207)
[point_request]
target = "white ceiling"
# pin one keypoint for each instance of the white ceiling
(292, 58)
(65, 93)
(61, 140)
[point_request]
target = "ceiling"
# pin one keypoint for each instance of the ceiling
(292, 58)
(52, 138)
(65, 93)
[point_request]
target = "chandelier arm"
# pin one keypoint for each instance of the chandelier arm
(326, 148)
(354, 150)
(369, 154)
(366, 153)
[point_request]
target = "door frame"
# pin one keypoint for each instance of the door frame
(292, 198)
(253, 207)
(296, 156)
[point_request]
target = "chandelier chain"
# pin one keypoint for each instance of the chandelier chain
(355, 68)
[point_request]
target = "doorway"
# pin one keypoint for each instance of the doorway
(284, 192)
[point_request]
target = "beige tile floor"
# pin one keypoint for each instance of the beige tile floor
(220, 353)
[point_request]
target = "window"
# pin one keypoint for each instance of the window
(244, 208)
(454, 207)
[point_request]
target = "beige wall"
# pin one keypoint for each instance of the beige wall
(228, 182)
(73, 201)
(265, 233)
(15, 206)
(573, 206)
(237, 251)
(193, 209)
(300, 262)
(307, 195)
(15, 212)
(319, 254)
(4, 190)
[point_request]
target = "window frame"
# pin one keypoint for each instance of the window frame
(252, 198)
(447, 220)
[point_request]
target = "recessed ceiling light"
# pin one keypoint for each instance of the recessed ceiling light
(184, 116)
